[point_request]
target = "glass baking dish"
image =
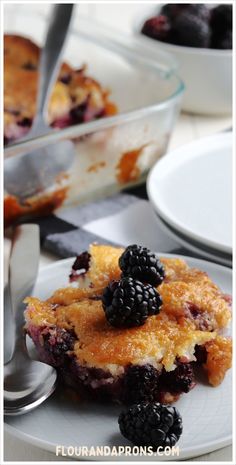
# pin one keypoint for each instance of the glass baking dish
(115, 152)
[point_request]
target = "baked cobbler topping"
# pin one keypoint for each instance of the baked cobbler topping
(76, 97)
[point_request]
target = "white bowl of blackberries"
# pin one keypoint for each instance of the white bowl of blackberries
(200, 38)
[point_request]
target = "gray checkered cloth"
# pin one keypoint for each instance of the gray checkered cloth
(121, 219)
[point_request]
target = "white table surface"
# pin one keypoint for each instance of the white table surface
(188, 128)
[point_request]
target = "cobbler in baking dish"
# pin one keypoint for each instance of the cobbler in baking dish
(118, 336)
(76, 97)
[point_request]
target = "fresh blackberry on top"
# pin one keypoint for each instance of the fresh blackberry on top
(129, 302)
(142, 264)
(151, 425)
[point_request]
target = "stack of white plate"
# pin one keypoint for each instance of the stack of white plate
(191, 192)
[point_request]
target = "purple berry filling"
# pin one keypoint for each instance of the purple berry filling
(179, 380)
(25, 122)
(200, 354)
(137, 383)
(201, 319)
(80, 266)
(29, 66)
(66, 78)
(52, 343)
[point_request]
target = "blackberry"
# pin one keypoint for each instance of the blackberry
(82, 262)
(66, 78)
(140, 384)
(151, 425)
(29, 66)
(172, 10)
(80, 265)
(25, 122)
(222, 42)
(201, 354)
(56, 343)
(190, 30)
(221, 19)
(140, 263)
(179, 380)
(157, 28)
(129, 302)
(200, 10)
(77, 113)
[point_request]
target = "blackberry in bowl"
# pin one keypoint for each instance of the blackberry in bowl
(199, 36)
(190, 25)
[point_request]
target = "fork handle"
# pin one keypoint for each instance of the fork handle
(50, 56)
(23, 267)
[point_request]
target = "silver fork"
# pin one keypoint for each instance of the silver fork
(27, 383)
(30, 173)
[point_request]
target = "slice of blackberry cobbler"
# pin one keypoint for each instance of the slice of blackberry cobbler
(152, 353)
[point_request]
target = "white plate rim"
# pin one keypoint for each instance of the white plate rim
(51, 447)
(192, 247)
(214, 140)
(187, 453)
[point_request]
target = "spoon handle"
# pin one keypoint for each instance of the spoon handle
(23, 268)
(50, 57)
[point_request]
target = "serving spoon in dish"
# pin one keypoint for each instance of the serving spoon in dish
(27, 383)
(28, 174)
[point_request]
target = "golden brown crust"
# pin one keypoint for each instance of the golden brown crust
(103, 266)
(219, 359)
(171, 334)
(20, 51)
(185, 291)
(21, 58)
(160, 339)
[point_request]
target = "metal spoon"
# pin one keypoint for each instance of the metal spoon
(27, 383)
(28, 174)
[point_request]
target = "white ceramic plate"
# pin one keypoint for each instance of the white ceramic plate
(191, 189)
(193, 247)
(206, 410)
